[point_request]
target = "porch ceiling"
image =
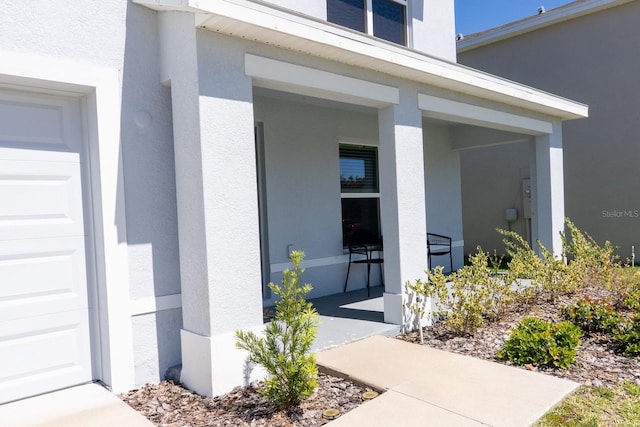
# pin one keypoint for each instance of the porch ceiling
(286, 29)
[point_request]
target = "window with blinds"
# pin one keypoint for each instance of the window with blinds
(360, 192)
(386, 19)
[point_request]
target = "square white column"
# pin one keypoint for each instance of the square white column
(216, 191)
(402, 204)
(547, 189)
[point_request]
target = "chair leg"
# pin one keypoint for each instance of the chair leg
(450, 261)
(347, 279)
(368, 276)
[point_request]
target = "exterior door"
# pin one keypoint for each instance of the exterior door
(44, 310)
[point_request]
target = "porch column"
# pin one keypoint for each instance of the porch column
(217, 198)
(402, 198)
(547, 189)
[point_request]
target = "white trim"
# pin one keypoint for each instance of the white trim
(279, 75)
(457, 244)
(101, 89)
(312, 263)
(288, 30)
(535, 22)
(460, 112)
(149, 305)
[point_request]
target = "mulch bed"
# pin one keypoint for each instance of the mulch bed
(597, 363)
(168, 404)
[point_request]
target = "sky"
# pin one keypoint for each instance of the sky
(479, 15)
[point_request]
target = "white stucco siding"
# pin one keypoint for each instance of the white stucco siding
(443, 190)
(303, 183)
(315, 8)
(89, 31)
(121, 36)
(229, 185)
(433, 27)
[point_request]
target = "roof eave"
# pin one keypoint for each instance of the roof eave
(535, 22)
(267, 24)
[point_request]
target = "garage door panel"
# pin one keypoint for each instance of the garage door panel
(37, 121)
(42, 276)
(46, 352)
(44, 199)
(45, 341)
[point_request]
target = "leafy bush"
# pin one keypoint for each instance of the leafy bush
(629, 338)
(285, 349)
(632, 300)
(588, 264)
(542, 343)
(592, 315)
(474, 294)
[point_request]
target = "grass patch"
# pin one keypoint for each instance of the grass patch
(596, 407)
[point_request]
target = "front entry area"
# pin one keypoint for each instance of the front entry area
(45, 340)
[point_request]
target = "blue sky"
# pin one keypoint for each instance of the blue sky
(478, 15)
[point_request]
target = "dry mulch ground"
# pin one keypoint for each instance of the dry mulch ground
(597, 362)
(167, 404)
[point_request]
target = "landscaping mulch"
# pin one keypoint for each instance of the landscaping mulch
(597, 362)
(168, 404)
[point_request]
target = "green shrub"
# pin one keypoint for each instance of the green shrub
(284, 351)
(474, 294)
(588, 264)
(628, 339)
(632, 300)
(535, 341)
(592, 315)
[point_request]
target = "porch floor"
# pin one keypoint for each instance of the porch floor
(351, 316)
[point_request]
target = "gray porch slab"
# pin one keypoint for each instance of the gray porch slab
(351, 316)
(433, 387)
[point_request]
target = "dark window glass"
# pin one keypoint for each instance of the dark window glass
(358, 169)
(360, 221)
(348, 13)
(389, 21)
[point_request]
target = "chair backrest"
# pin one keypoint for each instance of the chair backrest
(438, 240)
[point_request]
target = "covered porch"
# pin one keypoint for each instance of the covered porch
(247, 112)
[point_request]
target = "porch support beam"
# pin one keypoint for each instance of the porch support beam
(217, 202)
(547, 182)
(402, 200)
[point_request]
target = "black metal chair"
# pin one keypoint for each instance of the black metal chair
(439, 245)
(364, 244)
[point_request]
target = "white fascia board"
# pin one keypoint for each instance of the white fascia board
(446, 109)
(312, 82)
(535, 22)
(285, 29)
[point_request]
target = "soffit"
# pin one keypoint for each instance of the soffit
(282, 28)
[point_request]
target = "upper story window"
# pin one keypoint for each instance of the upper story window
(386, 19)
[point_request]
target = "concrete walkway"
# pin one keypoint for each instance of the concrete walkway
(88, 405)
(428, 387)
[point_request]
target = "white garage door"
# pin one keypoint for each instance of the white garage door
(44, 310)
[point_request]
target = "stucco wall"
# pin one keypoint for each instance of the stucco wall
(590, 59)
(432, 23)
(121, 36)
(443, 190)
(303, 183)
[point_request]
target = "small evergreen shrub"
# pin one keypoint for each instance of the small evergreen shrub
(284, 351)
(632, 300)
(628, 340)
(592, 316)
(537, 342)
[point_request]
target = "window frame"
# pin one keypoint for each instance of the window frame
(361, 195)
(369, 17)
